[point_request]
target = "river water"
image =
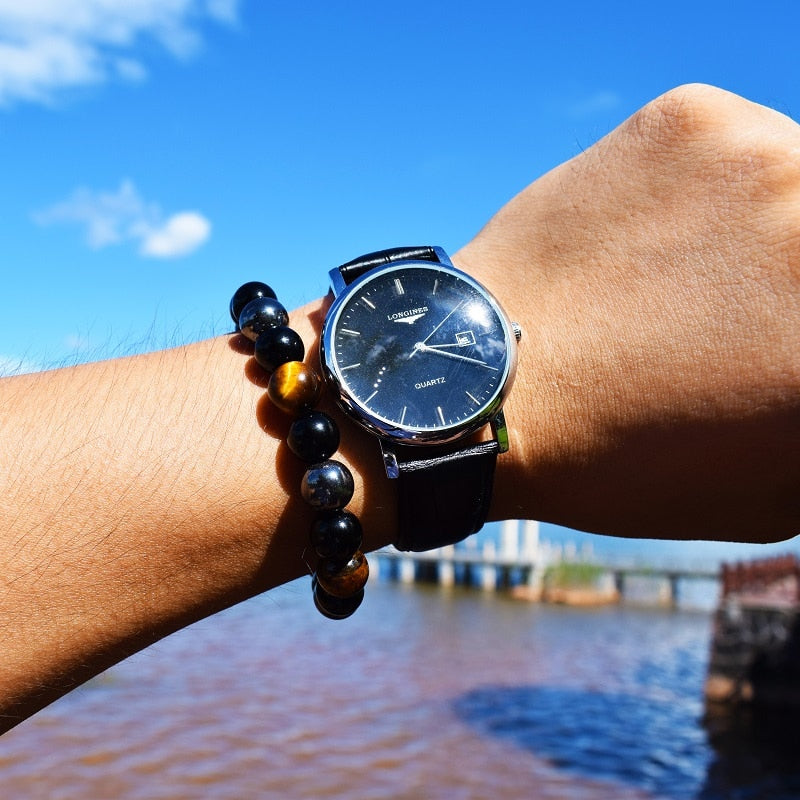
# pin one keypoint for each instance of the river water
(424, 693)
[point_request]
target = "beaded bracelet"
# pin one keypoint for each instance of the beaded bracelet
(327, 485)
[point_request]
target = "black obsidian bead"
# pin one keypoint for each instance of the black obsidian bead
(314, 436)
(260, 315)
(336, 536)
(327, 485)
(247, 292)
(276, 346)
(335, 607)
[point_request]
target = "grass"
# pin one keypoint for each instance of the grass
(573, 575)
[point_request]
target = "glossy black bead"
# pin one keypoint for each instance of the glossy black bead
(327, 485)
(260, 315)
(335, 607)
(337, 536)
(276, 346)
(247, 292)
(314, 436)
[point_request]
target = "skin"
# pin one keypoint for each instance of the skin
(657, 280)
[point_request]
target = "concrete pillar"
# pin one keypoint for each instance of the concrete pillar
(530, 540)
(509, 539)
(673, 594)
(447, 569)
(407, 570)
(489, 570)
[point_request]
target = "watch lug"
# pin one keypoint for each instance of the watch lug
(389, 460)
(500, 431)
(337, 282)
(442, 256)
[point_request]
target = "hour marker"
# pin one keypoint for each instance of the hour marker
(371, 396)
(435, 286)
(351, 366)
(399, 286)
(367, 302)
(441, 415)
(403, 415)
(474, 399)
(348, 332)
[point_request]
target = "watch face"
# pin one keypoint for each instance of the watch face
(419, 351)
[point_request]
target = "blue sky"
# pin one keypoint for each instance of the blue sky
(156, 153)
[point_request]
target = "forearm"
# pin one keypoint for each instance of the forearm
(139, 495)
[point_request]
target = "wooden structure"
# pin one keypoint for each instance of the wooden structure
(755, 650)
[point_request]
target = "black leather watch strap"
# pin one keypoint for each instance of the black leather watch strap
(444, 496)
(358, 266)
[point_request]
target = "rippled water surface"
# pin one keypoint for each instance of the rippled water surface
(423, 694)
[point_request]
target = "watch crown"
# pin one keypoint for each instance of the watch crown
(515, 326)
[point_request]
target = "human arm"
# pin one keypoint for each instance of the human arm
(656, 279)
(139, 495)
(657, 276)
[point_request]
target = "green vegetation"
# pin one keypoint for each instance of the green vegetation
(573, 575)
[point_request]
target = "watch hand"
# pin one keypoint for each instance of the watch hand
(442, 346)
(452, 311)
(446, 354)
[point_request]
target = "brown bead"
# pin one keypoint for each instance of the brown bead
(343, 581)
(294, 387)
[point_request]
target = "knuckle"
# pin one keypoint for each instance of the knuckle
(723, 137)
(683, 114)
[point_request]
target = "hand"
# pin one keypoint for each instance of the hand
(436, 348)
(657, 277)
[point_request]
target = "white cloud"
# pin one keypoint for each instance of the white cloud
(178, 236)
(115, 217)
(51, 45)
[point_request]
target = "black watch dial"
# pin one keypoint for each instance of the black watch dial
(418, 350)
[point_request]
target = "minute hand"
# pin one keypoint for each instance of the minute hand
(421, 346)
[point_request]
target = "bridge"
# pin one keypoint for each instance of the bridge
(523, 561)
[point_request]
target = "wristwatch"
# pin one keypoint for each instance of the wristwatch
(423, 357)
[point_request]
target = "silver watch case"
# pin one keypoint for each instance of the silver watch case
(490, 413)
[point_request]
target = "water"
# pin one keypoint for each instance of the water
(423, 694)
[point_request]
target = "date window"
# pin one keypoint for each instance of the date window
(465, 338)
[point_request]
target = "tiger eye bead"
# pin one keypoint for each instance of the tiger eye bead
(313, 437)
(327, 485)
(260, 315)
(276, 346)
(245, 293)
(343, 580)
(336, 536)
(335, 607)
(294, 388)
